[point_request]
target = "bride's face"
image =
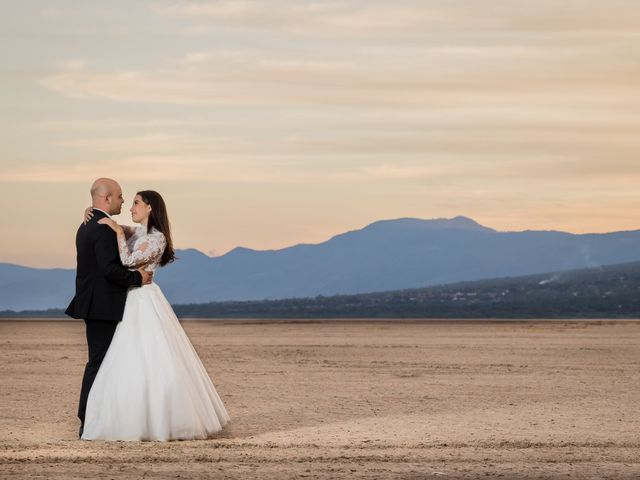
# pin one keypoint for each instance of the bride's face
(139, 210)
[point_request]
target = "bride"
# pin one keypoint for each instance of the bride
(151, 384)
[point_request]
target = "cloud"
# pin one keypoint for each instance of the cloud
(416, 77)
(110, 124)
(519, 173)
(352, 18)
(506, 91)
(176, 168)
(496, 140)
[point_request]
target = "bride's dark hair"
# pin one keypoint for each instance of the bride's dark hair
(158, 218)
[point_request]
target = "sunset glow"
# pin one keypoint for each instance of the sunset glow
(267, 124)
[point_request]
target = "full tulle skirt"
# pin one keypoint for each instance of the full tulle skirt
(152, 385)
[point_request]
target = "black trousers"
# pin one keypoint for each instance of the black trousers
(99, 335)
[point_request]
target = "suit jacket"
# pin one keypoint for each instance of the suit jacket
(101, 279)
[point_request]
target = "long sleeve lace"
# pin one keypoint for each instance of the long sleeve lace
(146, 249)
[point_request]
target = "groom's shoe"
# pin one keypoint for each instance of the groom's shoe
(80, 431)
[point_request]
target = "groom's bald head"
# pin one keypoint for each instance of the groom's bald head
(106, 195)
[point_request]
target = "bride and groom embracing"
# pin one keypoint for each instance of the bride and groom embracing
(143, 379)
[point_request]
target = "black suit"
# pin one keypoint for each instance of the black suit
(101, 292)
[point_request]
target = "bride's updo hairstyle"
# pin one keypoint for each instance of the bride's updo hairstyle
(159, 219)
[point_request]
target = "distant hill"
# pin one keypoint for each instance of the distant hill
(603, 292)
(35, 288)
(612, 291)
(385, 255)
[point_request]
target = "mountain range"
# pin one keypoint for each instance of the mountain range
(385, 255)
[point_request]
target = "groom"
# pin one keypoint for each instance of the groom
(101, 282)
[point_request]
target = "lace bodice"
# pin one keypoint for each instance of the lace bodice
(142, 248)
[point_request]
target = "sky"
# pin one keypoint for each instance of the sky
(265, 124)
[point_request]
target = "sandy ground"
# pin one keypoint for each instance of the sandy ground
(361, 399)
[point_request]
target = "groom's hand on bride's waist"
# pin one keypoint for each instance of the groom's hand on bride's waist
(147, 277)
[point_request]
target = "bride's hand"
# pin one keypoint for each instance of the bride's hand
(114, 226)
(88, 214)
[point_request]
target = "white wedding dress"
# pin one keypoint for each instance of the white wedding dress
(151, 384)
